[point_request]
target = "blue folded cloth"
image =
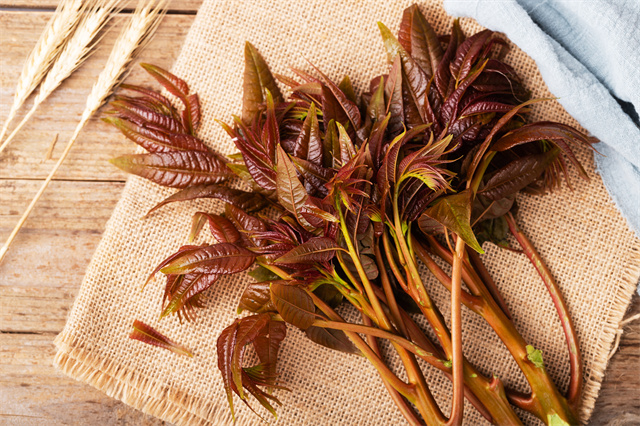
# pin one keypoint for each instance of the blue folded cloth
(588, 53)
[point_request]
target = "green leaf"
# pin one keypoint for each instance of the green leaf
(262, 274)
(319, 249)
(293, 304)
(347, 88)
(377, 107)
(257, 79)
(178, 169)
(332, 339)
(329, 294)
(494, 230)
(535, 356)
(150, 336)
(454, 213)
(555, 420)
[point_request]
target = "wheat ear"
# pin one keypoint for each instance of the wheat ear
(75, 52)
(137, 33)
(46, 50)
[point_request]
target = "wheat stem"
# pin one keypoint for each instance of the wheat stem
(75, 52)
(46, 50)
(132, 39)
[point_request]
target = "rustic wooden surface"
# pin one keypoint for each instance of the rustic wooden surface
(41, 274)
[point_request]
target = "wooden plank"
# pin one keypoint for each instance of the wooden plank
(184, 6)
(32, 392)
(619, 400)
(60, 236)
(35, 309)
(24, 157)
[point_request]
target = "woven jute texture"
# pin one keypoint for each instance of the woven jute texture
(580, 234)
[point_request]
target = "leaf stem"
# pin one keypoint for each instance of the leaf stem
(545, 399)
(478, 266)
(489, 395)
(382, 319)
(377, 332)
(388, 291)
(392, 261)
(457, 405)
(276, 270)
(575, 357)
(406, 410)
(405, 389)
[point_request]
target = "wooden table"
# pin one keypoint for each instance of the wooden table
(42, 272)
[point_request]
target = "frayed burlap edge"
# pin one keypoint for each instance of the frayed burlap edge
(147, 396)
(627, 286)
(137, 391)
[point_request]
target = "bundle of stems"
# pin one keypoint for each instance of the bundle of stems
(422, 169)
(134, 36)
(76, 50)
(46, 50)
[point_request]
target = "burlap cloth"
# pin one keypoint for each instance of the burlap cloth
(587, 244)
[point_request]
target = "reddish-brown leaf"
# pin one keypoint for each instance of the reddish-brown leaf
(191, 285)
(257, 79)
(518, 174)
(222, 258)
(147, 334)
(221, 228)
(293, 304)
(248, 201)
(257, 298)
(420, 40)
(178, 169)
(332, 339)
(319, 249)
(154, 140)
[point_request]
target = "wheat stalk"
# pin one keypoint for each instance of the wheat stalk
(137, 33)
(46, 50)
(75, 52)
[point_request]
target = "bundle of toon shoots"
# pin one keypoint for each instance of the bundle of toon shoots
(343, 199)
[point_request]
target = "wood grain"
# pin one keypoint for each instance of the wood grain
(24, 157)
(184, 6)
(41, 275)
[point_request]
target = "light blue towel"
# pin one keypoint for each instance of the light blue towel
(588, 52)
